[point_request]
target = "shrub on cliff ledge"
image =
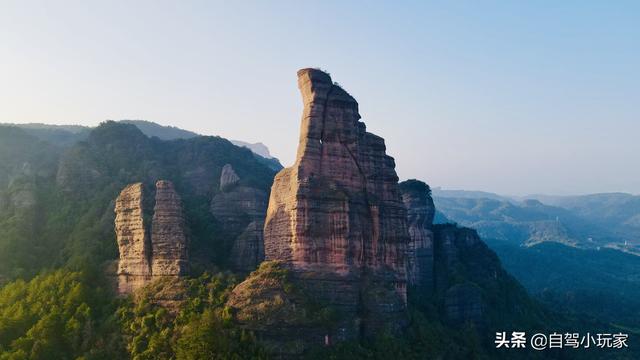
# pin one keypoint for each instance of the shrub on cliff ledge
(413, 185)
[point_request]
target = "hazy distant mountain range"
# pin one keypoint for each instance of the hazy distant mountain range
(66, 135)
(469, 194)
(587, 221)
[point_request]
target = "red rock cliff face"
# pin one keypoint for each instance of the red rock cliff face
(336, 216)
(147, 255)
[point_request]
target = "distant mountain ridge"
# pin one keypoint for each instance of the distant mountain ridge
(59, 135)
(171, 133)
(469, 194)
(519, 224)
(621, 211)
(589, 221)
(162, 132)
(258, 148)
(67, 135)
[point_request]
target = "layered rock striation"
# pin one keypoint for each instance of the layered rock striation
(169, 255)
(149, 249)
(134, 247)
(336, 219)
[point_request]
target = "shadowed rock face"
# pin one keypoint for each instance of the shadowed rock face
(336, 216)
(240, 211)
(144, 255)
(436, 254)
(420, 212)
(463, 303)
(460, 253)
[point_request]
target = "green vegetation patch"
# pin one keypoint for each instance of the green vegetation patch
(269, 296)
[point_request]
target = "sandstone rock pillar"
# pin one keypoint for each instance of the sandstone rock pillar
(134, 267)
(169, 241)
(144, 254)
(336, 216)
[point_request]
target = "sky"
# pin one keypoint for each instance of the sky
(513, 97)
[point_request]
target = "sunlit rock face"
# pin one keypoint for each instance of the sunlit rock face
(416, 196)
(149, 250)
(134, 246)
(336, 216)
(168, 237)
(240, 211)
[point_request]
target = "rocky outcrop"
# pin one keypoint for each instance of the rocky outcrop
(144, 254)
(335, 218)
(240, 211)
(228, 177)
(134, 247)
(257, 148)
(416, 196)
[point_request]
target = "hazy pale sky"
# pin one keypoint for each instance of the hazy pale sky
(513, 97)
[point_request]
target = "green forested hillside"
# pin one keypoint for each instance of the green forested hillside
(71, 315)
(56, 212)
(24, 154)
(618, 211)
(528, 223)
(602, 284)
(559, 255)
(58, 207)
